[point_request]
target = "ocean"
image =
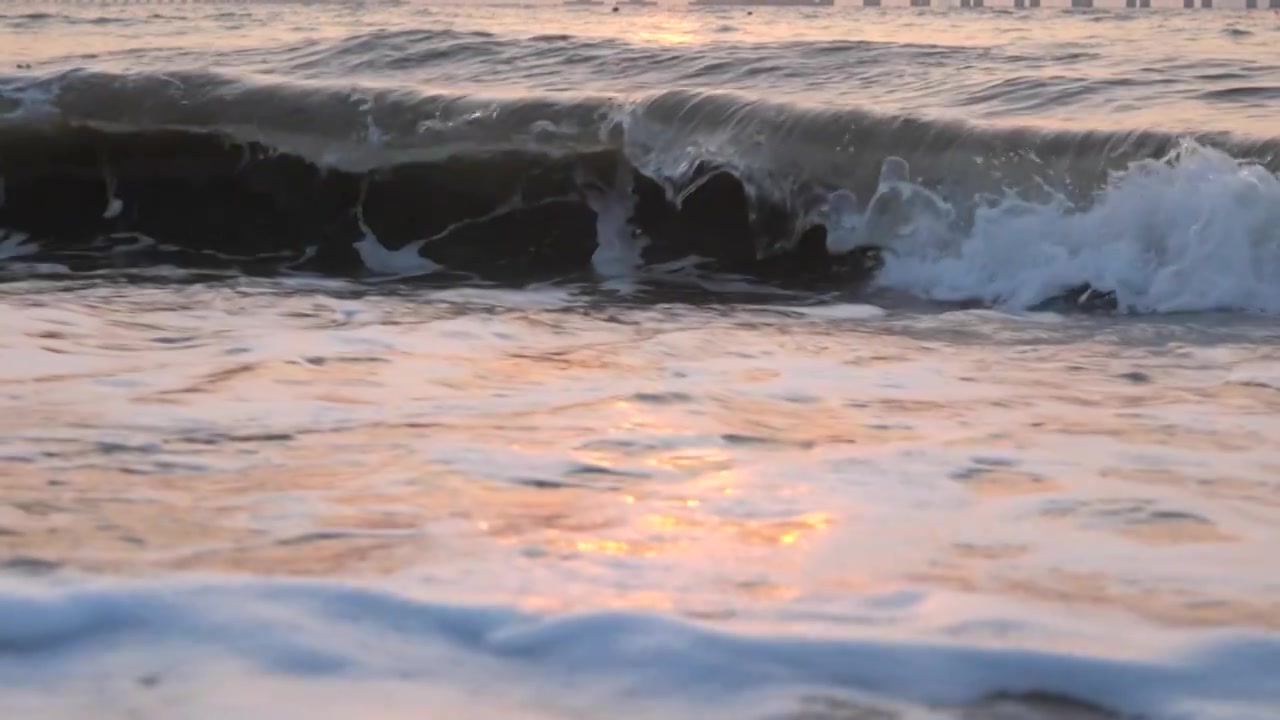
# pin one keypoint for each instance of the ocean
(525, 361)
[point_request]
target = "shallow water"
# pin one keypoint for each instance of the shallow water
(278, 436)
(978, 480)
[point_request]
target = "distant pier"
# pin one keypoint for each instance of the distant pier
(621, 4)
(1078, 4)
(1018, 4)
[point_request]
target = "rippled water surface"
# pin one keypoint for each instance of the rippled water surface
(1176, 70)
(832, 470)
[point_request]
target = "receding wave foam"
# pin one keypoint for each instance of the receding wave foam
(259, 645)
(195, 168)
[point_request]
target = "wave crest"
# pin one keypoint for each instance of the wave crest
(328, 179)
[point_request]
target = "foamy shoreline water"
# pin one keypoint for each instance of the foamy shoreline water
(357, 651)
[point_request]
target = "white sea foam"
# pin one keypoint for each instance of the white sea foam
(202, 638)
(533, 297)
(1196, 231)
(402, 263)
(618, 250)
(839, 311)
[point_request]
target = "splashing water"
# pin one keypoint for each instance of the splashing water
(1195, 231)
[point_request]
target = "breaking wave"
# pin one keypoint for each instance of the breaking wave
(201, 170)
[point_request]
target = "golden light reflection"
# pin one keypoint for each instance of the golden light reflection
(667, 522)
(813, 521)
(770, 532)
(694, 460)
(820, 521)
(665, 37)
(612, 547)
(607, 547)
(665, 30)
(355, 524)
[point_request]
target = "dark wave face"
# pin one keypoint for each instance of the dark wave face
(106, 167)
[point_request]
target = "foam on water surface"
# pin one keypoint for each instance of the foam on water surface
(371, 651)
(1196, 231)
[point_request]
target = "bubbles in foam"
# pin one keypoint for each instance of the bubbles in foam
(892, 217)
(1195, 231)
